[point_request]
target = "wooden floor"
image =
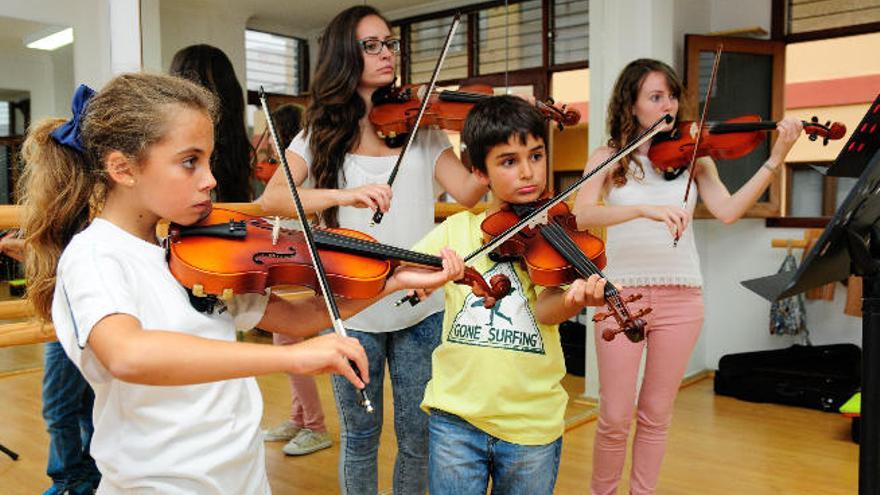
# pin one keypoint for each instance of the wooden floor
(717, 445)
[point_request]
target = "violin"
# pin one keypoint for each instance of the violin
(556, 253)
(727, 140)
(229, 253)
(395, 109)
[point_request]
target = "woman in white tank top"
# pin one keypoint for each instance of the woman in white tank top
(348, 166)
(643, 215)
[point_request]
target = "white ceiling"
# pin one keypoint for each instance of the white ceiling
(13, 31)
(317, 14)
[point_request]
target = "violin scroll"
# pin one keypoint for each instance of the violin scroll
(828, 131)
(560, 114)
(631, 325)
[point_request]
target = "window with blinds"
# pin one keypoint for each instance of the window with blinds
(274, 62)
(822, 15)
(569, 34)
(426, 39)
(5, 119)
(509, 39)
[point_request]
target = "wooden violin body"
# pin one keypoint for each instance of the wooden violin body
(557, 253)
(727, 140)
(395, 110)
(230, 253)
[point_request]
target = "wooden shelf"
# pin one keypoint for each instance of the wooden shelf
(443, 210)
(798, 222)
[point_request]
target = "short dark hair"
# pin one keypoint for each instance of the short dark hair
(494, 120)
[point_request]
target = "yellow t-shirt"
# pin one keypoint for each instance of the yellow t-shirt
(498, 369)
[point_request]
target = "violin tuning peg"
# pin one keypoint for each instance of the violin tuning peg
(381, 134)
(608, 335)
(600, 316)
(633, 298)
(813, 137)
(198, 290)
(226, 295)
(392, 134)
(642, 312)
(815, 119)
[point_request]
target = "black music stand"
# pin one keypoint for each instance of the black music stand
(850, 244)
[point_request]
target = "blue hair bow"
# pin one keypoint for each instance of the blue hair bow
(68, 134)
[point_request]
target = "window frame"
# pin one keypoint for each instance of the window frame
(470, 16)
(779, 23)
(694, 44)
(303, 71)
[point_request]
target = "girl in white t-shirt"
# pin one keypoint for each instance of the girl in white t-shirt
(175, 410)
(348, 166)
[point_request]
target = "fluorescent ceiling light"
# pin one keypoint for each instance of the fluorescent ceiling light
(50, 39)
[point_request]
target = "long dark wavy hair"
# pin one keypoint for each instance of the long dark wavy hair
(333, 117)
(622, 125)
(230, 163)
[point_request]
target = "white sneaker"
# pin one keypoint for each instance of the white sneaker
(285, 431)
(307, 441)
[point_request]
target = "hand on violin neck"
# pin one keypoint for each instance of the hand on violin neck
(789, 131)
(582, 293)
(555, 305)
(427, 279)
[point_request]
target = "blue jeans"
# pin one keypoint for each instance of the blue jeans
(462, 458)
(67, 410)
(408, 353)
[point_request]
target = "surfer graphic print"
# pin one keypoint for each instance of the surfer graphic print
(509, 324)
(499, 369)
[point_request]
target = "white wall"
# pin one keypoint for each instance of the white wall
(33, 73)
(737, 319)
(89, 19)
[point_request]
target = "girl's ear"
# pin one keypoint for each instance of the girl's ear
(119, 168)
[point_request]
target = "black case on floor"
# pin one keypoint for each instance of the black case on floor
(574, 339)
(817, 377)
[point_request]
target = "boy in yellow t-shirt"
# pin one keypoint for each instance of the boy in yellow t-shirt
(495, 397)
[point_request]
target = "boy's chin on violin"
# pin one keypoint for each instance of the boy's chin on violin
(516, 171)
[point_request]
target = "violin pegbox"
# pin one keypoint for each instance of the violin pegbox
(829, 130)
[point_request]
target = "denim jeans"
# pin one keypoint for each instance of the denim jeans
(67, 410)
(462, 458)
(408, 353)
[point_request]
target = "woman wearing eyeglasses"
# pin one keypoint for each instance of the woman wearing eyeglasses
(348, 166)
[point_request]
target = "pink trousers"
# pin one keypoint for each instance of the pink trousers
(672, 331)
(305, 404)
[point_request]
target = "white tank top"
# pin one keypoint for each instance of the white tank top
(640, 251)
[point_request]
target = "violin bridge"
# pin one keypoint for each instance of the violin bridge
(276, 229)
(540, 219)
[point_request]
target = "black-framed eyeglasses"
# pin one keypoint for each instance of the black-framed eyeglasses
(373, 46)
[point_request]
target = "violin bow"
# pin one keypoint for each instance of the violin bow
(690, 168)
(539, 215)
(377, 216)
(335, 318)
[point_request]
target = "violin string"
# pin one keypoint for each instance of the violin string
(566, 246)
(560, 240)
